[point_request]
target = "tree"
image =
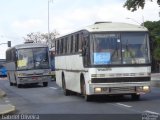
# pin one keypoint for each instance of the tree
(35, 37)
(133, 5)
(154, 30)
(42, 37)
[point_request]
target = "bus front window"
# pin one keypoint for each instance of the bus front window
(41, 58)
(35, 58)
(25, 59)
(124, 48)
(135, 48)
(106, 49)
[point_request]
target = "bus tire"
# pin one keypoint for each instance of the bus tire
(88, 98)
(65, 91)
(45, 84)
(19, 86)
(11, 84)
(83, 91)
(135, 97)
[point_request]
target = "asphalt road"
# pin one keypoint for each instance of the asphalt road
(50, 100)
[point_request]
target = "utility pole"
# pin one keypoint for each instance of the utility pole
(48, 24)
(158, 2)
(49, 39)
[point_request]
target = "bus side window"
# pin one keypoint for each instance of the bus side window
(71, 47)
(83, 47)
(85, 50)
(77, 43)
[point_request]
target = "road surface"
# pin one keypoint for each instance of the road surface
(50, 100)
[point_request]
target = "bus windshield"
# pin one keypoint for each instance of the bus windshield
(33, 58)
(124, 48)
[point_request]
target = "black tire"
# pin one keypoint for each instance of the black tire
(88, 98)
(83, 91)
(11, 84)
(65, 91)
(45, 84)
(135, 97)
(19, 86)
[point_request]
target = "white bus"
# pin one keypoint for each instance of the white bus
(104, 59)
(28, 63)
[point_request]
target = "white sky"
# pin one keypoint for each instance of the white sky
(20, 17)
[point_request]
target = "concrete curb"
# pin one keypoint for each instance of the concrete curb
(6, 109)
(2, 93)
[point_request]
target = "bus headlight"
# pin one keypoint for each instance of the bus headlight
(143, 88)
(97, 90)
(146, 88)
(47, 72)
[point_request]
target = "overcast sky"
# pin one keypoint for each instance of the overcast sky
(20, 17)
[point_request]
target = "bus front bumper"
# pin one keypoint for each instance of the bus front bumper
(34, 79)
(119, 88)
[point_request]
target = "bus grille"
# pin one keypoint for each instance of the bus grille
(123, 79)
(122, 89)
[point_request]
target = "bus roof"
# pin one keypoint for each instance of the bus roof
(29, 45)
(114, 26)
(111, 27)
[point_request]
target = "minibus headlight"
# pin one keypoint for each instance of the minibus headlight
(47, 72)
(21, 74)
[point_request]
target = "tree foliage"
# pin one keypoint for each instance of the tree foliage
(38, 37)
(154, 30)
(133, 5)
(35, 37)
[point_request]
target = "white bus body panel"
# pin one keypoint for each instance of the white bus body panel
(72, 68)
(11, 71)
(117, 72)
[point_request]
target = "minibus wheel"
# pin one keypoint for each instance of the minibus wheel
(19, 86)
(45, 84)
(11, 84)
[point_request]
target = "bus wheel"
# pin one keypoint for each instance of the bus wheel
(19, 85)
(83, 88)
(135, 97)
(11, 84)
(65, 91)
(45, 84)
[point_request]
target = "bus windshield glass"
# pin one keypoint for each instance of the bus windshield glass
(34, 58)
(124, 48)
